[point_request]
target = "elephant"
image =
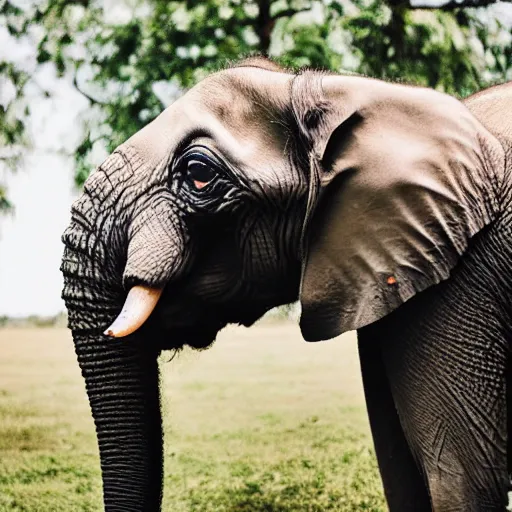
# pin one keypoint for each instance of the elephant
(383, 208)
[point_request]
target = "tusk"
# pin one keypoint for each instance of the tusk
(139, 304)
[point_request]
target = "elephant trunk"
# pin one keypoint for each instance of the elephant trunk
(122, 382)
(115, 242)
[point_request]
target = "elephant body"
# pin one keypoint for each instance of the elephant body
(437, 374)
(383, 208)
(436, 377)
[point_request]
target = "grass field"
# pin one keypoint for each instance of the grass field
(261, 422)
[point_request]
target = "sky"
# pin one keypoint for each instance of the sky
(41, 190)
(30, 247)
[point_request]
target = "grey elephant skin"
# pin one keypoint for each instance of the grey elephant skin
(382, 207)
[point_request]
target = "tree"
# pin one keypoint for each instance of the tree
(131, 63)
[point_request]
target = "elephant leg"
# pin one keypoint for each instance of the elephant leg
(404, 486)
(445, 354)
(122, 382)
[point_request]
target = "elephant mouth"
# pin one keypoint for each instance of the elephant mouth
(185, 311)
(177, 330)
(198, 338)
(189, 320)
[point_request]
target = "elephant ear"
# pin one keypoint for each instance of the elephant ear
(407, 177)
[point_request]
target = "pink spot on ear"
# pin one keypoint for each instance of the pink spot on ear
(200, 184)
(391, 280)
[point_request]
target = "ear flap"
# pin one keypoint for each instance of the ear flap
(405, 183)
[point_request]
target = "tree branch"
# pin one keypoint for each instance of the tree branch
(264, 25)
(288, 13)
(83, 93)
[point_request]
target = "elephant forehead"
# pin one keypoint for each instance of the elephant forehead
(247, 130)
(245, 94)
(250, 105)
(243, 115)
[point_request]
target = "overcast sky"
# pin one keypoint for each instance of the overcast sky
(42, 192)
(30, 248)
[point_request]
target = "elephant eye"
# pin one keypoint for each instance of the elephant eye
(200, 173)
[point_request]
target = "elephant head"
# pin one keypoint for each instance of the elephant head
(256, 188)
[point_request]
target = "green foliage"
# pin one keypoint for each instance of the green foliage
(118, 64)
(454, 52)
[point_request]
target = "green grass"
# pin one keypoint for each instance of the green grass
(261, 422)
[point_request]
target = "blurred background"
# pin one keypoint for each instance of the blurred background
(262, 421)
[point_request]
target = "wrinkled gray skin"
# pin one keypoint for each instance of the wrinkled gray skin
(437, 372)
(383, 208)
